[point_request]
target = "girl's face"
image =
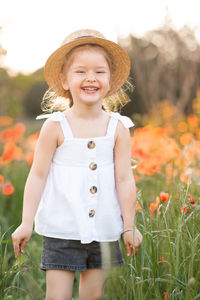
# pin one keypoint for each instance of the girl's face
(87, 75)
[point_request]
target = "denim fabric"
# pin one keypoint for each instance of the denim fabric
(71, 255)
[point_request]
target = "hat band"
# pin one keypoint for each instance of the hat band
(83, 36)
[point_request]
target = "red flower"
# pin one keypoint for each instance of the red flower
(185, 209)
(165, 296)
(191, 198)
(164, 196)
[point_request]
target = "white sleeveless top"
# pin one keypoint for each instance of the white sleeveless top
(79, 200)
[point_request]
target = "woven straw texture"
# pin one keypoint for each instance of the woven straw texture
(56, 60)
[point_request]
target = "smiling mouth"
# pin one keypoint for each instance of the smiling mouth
(90, 89)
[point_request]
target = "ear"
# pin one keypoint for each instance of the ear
(63, 80)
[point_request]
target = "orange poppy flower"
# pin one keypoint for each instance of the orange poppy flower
(152, 208)
(164, 196)
(154, 205)
(13, 134)
(10, 152)
(193, 120)
(138, 207)
(182, 126)
(1, 179)
(152, 148)
(186, 138)
(8, 189)
(184, 178)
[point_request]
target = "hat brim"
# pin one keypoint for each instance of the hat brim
(120, 58)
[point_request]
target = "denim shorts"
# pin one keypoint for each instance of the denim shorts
(62, 254)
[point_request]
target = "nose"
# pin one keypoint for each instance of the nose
(90, 77)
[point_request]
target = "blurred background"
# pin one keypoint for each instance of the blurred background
(161, 37)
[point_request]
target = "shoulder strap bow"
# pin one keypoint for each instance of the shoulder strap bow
(55, 116)
(127, 122)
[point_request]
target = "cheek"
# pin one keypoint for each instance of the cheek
(74, 81)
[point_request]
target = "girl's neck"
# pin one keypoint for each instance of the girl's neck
(86, 112)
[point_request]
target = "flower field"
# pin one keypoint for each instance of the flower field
(165, 152)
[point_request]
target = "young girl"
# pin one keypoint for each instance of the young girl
(80, 192)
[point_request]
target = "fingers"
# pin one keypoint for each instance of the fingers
(128, 250)
(20, 238)
(18, 246)
(129, 241)
(23, 245)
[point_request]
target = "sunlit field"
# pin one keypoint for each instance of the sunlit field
(165, 149)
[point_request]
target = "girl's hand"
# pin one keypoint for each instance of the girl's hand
(128, 242)
(20, 238)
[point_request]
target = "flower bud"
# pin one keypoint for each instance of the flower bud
(191, 282)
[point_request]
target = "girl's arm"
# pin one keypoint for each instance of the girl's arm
(124, 180)
(45, 148)
(126, 190)
(36, 180)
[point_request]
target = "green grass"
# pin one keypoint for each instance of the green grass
(173, 235)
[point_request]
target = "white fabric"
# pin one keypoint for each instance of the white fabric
(63, 211)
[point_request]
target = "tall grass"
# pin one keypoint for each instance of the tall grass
(19, 278)
(167, 265)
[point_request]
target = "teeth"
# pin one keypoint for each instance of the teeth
(90, 89)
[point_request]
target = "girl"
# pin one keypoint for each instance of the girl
(80, 192)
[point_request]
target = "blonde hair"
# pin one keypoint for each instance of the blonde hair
(52, 102)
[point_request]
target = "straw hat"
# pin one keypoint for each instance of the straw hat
(54, 63)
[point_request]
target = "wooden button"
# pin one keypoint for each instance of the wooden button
(91, 144)
(93, 166)
(92, 213)
(93, 189)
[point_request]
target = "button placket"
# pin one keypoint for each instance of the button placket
(92, 180)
